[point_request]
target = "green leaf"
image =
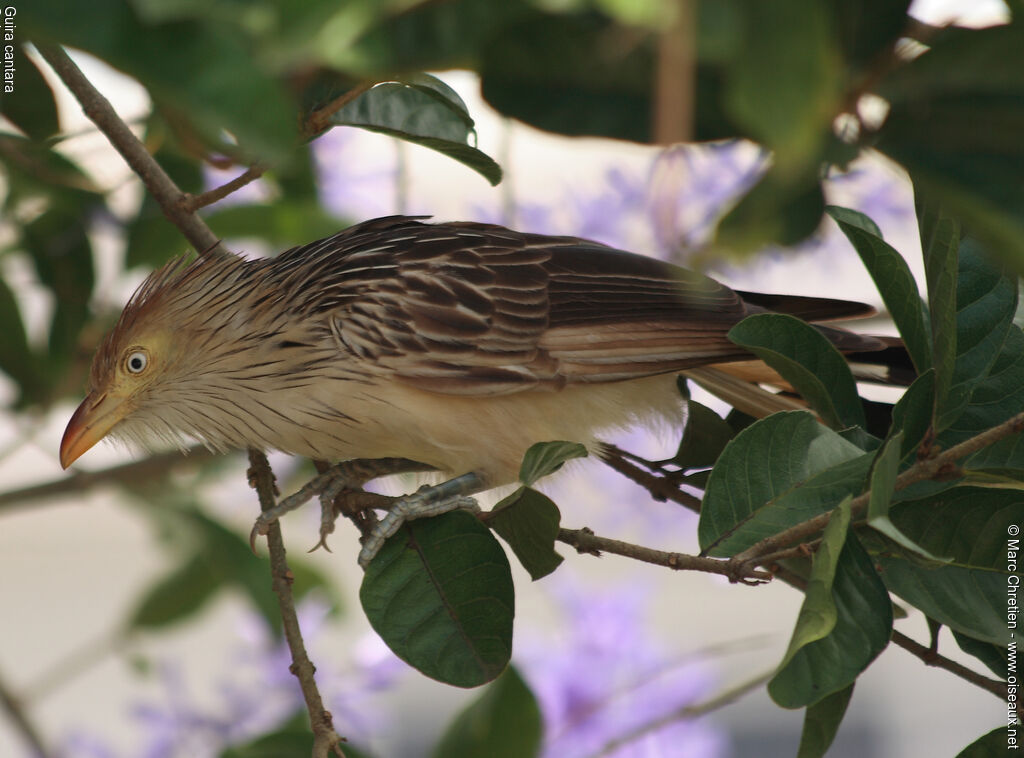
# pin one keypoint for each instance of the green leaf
(780, 209)
(176, 596)
(16, 360)
(869, 28)
(807, 360)
(281, 224)
(31, 107)
(937, 100)
(206, 70)
(940, 241)
(991, 744)
(785, 87)
(821, 722)
(440, 594)
(503, 722)
(894, 281)
(776, 473)
(528, 521)
(424, 111)
(993, 656)
(844, 623)
(545, 458)
(912, 414)
(882, 482)
(997, 396)
(704, 437)
(970, 524)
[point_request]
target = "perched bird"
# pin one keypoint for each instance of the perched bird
(457, 345)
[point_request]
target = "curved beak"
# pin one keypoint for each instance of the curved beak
(96, 416)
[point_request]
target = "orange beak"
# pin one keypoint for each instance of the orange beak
(90, 423)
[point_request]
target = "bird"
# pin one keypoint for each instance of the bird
(457, 345)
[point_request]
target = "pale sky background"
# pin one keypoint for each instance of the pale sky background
(71, 570)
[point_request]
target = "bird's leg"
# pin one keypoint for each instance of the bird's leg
(427, 501)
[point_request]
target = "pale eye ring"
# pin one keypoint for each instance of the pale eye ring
(136, 362)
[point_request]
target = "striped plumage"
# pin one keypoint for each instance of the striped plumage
(457, 345)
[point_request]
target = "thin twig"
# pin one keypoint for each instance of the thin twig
(686, 713)
(12, 706)
(931, 658)
(160, 185)
(585, 541)
(937, 466)
(661, 487)
(325, 739)
(320, 119)
(192, 203)
(676, 77)
(137, 472)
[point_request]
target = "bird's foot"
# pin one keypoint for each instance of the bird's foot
(427, 501)
(335, 478)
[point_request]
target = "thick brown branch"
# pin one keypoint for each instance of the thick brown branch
(325, 739)
(585, 541)
(160, 185)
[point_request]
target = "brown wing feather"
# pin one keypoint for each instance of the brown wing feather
(475, 309)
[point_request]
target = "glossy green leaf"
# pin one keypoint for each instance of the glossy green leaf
(993, 656)
(894, 281)
(704, 437)
(776, 473)
(424, 111)
(503, 722)
(544, 458)
(882, 481)
(440, 594)
(807, 360)
(844, 623)
(997, 396)
(940, 241)
(969, 524)
(528, 521)
(912, 414)
(821, 722)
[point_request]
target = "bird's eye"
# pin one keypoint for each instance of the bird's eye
(136, 362)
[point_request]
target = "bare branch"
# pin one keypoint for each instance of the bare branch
(191, 203)
(585, 541)
(325, 739)
(12, 706)
(137, 472)
(160, 185)
(931, 658)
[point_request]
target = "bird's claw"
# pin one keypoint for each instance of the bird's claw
(408, 509)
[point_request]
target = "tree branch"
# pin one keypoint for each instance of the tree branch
(12, 706)
(137, 472)
(172, 200)
(325, 739)
(191, 203)
(934, 467)
(931, 658)
(585, 541)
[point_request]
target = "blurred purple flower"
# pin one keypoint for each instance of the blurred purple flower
(605, 676)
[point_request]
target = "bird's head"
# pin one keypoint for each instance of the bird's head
(143, 372)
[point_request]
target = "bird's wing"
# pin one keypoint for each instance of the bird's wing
(474, 309)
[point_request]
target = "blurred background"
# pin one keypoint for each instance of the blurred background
(114, 649)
